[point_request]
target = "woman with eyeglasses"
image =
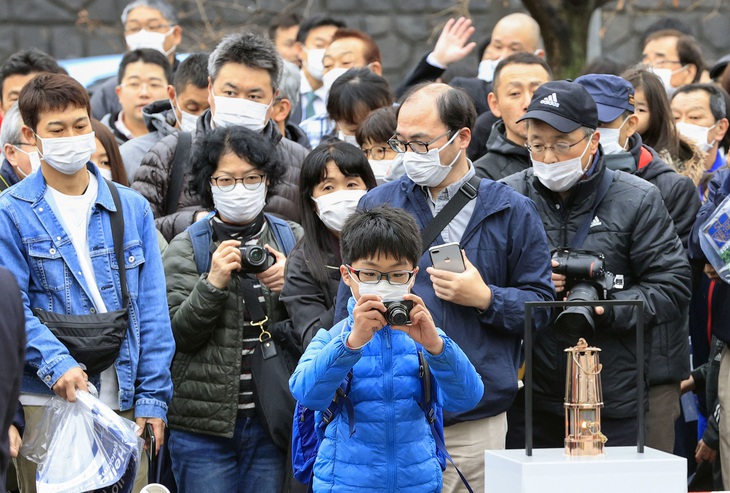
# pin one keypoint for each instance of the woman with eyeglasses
(334, 178)
(224, 275)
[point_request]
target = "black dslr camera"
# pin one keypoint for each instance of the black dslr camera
(586, 280)
(255, 259)
(398, 312)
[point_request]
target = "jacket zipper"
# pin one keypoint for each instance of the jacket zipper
(390, 418)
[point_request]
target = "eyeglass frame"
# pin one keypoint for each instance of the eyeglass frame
(151, 29)
(387, 275)
(393, 142)
(553, 147)
(369, 152)
(146, 85)
(215, 179)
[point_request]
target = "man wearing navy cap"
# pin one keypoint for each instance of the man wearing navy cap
(624, 150)
(585, 206)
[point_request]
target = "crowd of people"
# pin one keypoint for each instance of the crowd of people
(208, 215)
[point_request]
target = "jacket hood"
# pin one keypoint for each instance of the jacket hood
(159, 116)
(500, 144)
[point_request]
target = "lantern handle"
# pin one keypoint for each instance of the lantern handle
(587, 372)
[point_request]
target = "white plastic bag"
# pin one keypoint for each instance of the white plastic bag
(81, 446)
(715, 239)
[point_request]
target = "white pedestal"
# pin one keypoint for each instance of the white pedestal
(620, 469)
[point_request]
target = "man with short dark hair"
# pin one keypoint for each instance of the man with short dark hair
(602, 214)
(149, 24)
(187, 100)
(676, 58)
(483, 306)
(243, 81)
(143, 78)
(283, 30)
(57, 238)
(515, 80)
(18, 69)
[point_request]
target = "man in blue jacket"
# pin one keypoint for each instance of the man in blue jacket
(56, 238)
(505, 253)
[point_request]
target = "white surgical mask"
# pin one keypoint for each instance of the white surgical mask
(610, 137)
(149, 39)
(665, 74)
(106, 173)
(560, 176)
(384, 289)
(240, 112)
(239, 205)
(188, 121)
(35, 161)
(314, 63)
(696, 134)
(334, 208)
(486, 69)
(350, 139)
(68, 154)
(426, 170)
(382, 168)
(330, 77)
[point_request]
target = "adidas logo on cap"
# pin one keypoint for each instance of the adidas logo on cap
(551, 100)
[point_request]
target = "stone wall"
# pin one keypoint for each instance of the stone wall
(404, 29)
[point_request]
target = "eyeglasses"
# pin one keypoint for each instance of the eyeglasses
(559, 149)
(227, 183)
(155, 27)
(377, 153)
(16, 144)
(372, 276)
(139, 86)
(658, 63)
(416, 146)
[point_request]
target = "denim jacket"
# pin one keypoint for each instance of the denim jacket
(37, 250)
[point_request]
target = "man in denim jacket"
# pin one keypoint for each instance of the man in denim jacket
(56, 238)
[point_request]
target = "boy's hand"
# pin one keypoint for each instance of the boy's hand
(367, 320)
(225, 259)
(464, 288)
(273, 277)
(422, 329)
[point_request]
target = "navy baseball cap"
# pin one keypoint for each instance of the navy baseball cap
(612, 94)
(565, 106)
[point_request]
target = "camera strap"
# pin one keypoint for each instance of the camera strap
(467, 192)
(580, 236)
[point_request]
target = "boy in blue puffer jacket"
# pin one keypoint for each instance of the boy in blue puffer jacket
(392, 449)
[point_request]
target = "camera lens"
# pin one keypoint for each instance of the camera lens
(255, 254)
(579, 319)
(397, 314)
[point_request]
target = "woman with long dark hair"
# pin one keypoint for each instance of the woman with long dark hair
(334, 177)
(107, 157)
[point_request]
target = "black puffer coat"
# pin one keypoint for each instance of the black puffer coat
(503, 157)
(153, 178)
(632, 228)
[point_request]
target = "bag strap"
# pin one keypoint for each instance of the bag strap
(179, 165)
(424, 373)
(200, 237)
(283, 233)
(581, 235)
(117, 222)
(467, 192)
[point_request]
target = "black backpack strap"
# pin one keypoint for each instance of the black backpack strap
(117, 223)
(581, 235)
(468, 191)
(179, 166)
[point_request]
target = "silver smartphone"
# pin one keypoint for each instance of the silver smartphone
(447, 257)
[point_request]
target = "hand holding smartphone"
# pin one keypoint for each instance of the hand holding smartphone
(447, 257)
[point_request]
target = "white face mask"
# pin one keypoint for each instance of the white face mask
(68, 154)
(696, 134)
(610, 139)
(106, 173)
(188, 122)
(350, 139)
(240, 205)
(382, 168)
(384, 289)
(426, 169)
(334, 208)
(35, 161)
(562, 175)
(665, 74)
(330, 77)
(149, 39)
(314, 63)
(486, 69)
(240, 112)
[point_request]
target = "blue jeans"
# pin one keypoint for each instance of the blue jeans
(248, 462)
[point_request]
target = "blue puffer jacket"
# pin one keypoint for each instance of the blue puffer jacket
(392, 449)
(506, 242)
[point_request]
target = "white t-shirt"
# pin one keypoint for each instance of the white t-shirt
(75, 213)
